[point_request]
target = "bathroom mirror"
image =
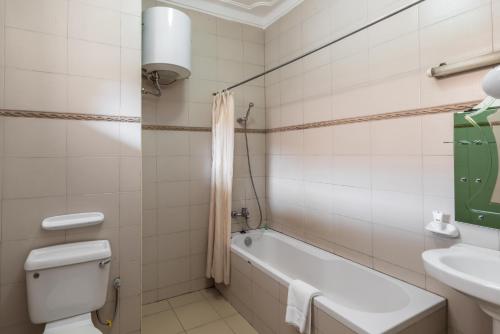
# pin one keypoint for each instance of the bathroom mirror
(477, 183)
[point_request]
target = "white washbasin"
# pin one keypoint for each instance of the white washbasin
(472, 270)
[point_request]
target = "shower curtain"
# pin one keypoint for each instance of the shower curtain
(219, 227)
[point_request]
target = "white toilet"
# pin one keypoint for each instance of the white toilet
(65, 283)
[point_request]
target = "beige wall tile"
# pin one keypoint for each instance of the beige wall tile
(26, 137)
(91, 175)
(34, 177)
(93, 138)
(19, 223)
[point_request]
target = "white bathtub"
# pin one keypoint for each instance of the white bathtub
(362, 299)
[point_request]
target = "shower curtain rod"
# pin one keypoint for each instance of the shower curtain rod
(383, 18)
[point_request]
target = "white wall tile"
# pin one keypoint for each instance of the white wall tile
(352, 202)
(397, 137)
(94, 24)
(434, 11)
(130, 83)
(131, 6)
(35, 90)
(35, 51)
(351, 170)
(93, 138)
(437, 134)
(438, 43)
(398, 247)
(399, 210)
(48, 16)
(397, 173)
(352, 139)
(93, 96)
(495, 7)
(93, 60)
(401, 24)
(439, 176)
(394, 57)
(352, 233)
(230, 49)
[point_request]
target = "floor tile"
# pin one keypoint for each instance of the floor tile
(186, 299)
(153, 308)
(219, 303)
(239, 325)
(218, 327)
(196, 314)
(161, 323)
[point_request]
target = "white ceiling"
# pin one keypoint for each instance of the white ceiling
(259, 13)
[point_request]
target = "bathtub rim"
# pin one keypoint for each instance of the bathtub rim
(322, 302)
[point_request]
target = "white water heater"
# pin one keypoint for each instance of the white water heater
(166, 39)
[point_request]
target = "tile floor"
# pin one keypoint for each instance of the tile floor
(201, 312)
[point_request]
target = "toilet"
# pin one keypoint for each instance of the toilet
(65, 283)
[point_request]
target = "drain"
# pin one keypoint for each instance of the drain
(248, 241)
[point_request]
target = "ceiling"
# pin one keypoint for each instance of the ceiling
(259, 13)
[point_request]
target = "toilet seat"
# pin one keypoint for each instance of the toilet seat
(80, 324)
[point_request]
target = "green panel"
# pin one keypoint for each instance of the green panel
(476, 170)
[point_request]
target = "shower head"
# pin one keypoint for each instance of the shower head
(243, 120)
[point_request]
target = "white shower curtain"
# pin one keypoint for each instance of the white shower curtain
(219, 227)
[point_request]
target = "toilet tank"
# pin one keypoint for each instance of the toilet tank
(66, 280)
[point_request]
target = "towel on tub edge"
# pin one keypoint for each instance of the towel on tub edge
(299, 305)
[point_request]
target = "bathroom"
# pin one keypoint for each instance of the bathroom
(342, 129)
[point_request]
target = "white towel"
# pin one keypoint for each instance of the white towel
(299, 305)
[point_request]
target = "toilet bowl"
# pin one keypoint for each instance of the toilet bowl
(65, 283)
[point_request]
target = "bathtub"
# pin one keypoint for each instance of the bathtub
(356, 298)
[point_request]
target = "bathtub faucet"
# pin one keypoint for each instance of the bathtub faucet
(244, 213)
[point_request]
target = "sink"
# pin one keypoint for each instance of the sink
(472, 270)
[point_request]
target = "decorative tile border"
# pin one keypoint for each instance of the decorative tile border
(129, 119)
(192, 128)
(379, 117)
(67, 116)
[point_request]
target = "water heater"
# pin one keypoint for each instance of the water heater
(166, 49)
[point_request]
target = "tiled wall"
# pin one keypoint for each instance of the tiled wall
(70, 57)
(366, 190)
(177, 164)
